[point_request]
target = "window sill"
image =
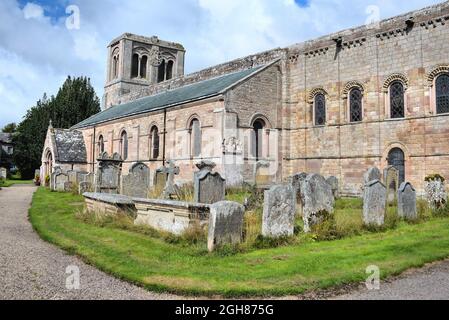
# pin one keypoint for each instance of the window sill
(395, 119)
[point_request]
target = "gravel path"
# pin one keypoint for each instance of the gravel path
(428, 283)
(33, 269)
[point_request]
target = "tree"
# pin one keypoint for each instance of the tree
(9, 128)
(76, 100)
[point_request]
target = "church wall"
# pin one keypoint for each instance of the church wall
(345, 149)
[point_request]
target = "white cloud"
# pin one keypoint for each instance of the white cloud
(37, 52)
(33, 11)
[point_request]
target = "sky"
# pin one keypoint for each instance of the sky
(44, 41)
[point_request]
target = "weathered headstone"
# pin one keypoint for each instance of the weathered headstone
(317, 200)
(296, 181)
(371, 175)
(279, 212)
(160, 179)
(171, 189)
(84, 187)
(407, 202)
(435, 192)
(261, 176)
(89, 178)
(209, 187)
(137, 182)
(108, 173)
(60, 181)
(3, 173)
(391, 179)
(68, 186)
(56, 171)
(374, 203)
(333, 182)
(225, 224)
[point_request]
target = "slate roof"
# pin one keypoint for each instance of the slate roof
(70, 146)
(192, 92)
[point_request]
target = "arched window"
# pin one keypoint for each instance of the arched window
(161, 72)
(195, 138)
(355, 105)
(442, 93)
(154, 139)
(124, 145)
(114, 67)
(143, 67)
(169, 72)
(257, 139)
(397, 100)
(396, 158)
(135, 66)
(101, 144)
(320, 109)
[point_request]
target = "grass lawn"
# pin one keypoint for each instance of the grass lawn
(9, 183)
(189, 269)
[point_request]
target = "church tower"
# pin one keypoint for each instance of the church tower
(136, 62)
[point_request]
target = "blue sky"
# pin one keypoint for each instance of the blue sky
(37, 51)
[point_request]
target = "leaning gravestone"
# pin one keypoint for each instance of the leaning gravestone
(374, 203)
(333, 182)
(279, 212)
(407, 202)
(209, 187)
(108, 173)
(371, 175)
(391, 179)
(60, 181)
(225, 224)
(317, 200)
(137, 182)
(160, 179)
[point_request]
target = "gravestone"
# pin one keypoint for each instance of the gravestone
(84, 187)
(89, 178)
(435, 192)
(171, 189)
(60, 181)
(374, 203)
(407, 202)
(108, 173)
(371, 175)
(333, 182)
(317, 200)
(261, 174)
(279, 212)
(56, 171)
(68, 186)
(160, 179)
(391, 179)
(225, 224)
(76, 176)
(137, 182)
(209, 187)
(3, 173)
(296, 181)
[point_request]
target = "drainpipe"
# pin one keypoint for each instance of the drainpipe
(93, 150)
(164, 138)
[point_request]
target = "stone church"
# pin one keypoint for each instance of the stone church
(375, 95)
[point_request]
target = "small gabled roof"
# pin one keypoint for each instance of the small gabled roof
(70, 146)
(188, 93)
